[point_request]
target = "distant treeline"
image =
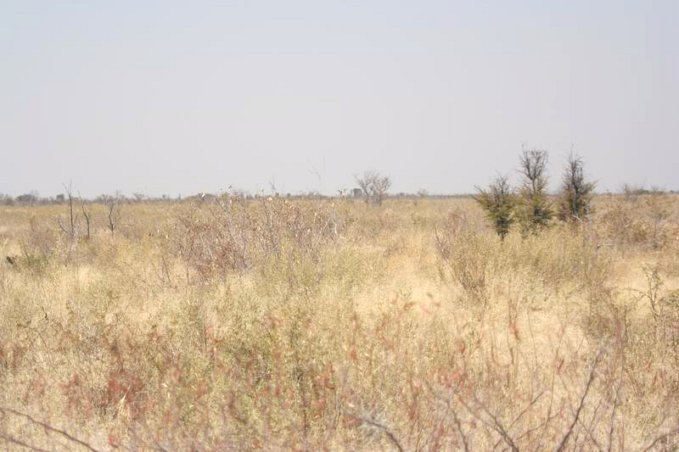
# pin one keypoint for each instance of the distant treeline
(36, 199)
(33, 198)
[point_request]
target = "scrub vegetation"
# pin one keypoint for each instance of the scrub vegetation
(309, 324)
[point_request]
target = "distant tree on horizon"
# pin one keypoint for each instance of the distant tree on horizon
(374, 186)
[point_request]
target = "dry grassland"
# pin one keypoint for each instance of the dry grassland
(329, 324)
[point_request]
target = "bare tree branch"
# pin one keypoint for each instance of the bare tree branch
(592, 375)
(18, 442)
(660, 438)
(48, 427)
(389, 434)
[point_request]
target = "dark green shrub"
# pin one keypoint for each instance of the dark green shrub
(498, 201)
(534, 210)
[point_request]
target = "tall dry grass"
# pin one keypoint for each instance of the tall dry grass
(329, 324)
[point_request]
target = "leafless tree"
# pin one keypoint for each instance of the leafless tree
(113, 209)
(70, 229)
(364, 184)
(374, 186)
(88, 218)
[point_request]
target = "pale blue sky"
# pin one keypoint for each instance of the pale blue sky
(187, 96)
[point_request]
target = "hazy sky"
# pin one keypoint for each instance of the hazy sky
(187, 96)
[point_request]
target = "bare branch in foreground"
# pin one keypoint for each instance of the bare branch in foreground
(661, 438)
(48, 427)
(390, 435)
(564, 440)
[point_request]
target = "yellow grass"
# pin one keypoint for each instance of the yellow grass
(330, 324)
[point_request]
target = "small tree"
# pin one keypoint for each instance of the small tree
(364, 186)
(374, 186)
(71, 229)
(498, 201)
(113, 209)
(535, 211)
(576, 192)
(88, 218)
